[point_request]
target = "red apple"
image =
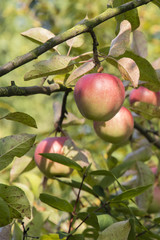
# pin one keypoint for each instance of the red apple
(116, 130)
(145, 95)
(47, 166)
(99, 96)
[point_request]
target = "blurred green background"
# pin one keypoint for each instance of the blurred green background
(17, 16)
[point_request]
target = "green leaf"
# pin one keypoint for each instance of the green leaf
(36, 224)
(157, 220)
(22, 118)
(57, 64)
(90, 233)
(77, 237)
(131, 16)
(116, 231)
(56, 202)
(157, 3)
(132, 233)
(128, 194)
(148, 111)
(108, 174)
(142, 154)
(91, 220)
(16, 200)
(104, 221)
(55, 157)
(14, 146)
(51, 237)
(145, 177)
(76, 184)
(18, 167)
(17, 232)
(5, 218)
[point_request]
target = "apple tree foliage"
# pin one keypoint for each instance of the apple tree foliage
(109, 197)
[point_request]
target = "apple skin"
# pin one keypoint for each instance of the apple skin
(118, 129)
(47, 166)
(145, 95)
(99, 96)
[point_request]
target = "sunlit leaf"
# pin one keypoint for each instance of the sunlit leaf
(38, 35)
(75, 41)
(128, 69)
(84, 68)
(104, 221)
(76, 154)
(139, 44)
(55, 157)
(15, 199)
(51, 237)
(116, 231)
(19, 165)
(14, 146)
(56, 202)
(22, 118)
(57, 64)
(120, 43)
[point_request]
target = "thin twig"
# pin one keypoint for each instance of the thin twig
(75, 206)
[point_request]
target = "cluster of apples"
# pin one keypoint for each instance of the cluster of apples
(99, 97)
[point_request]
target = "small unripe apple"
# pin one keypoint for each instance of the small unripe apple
(118, 129)
(99, 96)
(145, 95)
(47, 166)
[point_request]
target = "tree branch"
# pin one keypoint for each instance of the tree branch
(58, 125)
(85, 25)
(14, 90)
(152, 139)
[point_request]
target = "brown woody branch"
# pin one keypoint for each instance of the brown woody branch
(14, 90)
(151, 138)
(85, 25)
